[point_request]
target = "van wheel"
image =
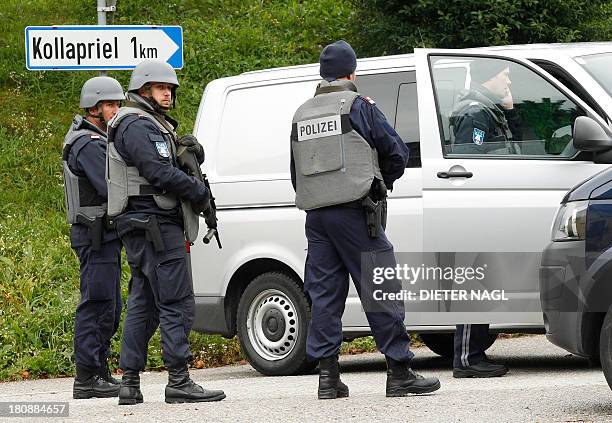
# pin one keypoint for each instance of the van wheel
(605, 347)
(273, 317)
(443, 343)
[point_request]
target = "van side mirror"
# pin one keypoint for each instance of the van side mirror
(590, 136)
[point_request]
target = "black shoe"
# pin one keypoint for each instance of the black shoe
(106, 375)
(402, 380)
(484, 368)
(88, 384)
(129, 392)
(330, 385)
(181, 388)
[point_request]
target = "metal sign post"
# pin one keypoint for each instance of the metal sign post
(103, 8)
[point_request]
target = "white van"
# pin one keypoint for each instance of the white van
(253, 286)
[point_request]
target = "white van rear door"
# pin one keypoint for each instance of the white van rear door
(500, 201)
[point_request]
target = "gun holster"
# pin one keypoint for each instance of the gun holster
(152, 231)
(374, 215)
(95, 227)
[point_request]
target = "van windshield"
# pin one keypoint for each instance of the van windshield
(599, 65)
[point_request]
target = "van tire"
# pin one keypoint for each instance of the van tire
(443, 343)
(605, 347)
(273, 308)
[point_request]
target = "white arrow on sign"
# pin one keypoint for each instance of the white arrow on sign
(101, 47)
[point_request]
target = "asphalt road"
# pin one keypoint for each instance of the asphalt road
(545, 384)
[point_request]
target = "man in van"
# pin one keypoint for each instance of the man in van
(97, 245)
(484, 121)
(154, 201)
(344, 157)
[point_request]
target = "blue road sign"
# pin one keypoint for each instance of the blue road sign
(101, 47)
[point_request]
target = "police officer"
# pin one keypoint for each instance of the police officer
(155, 204)
(98, 246)
(483, 122)
(344, 156)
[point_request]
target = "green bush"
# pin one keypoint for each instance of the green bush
(398, 26)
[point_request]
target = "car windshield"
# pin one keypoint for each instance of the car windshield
(599, 65)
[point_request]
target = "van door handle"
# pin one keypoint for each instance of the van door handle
(455, 174)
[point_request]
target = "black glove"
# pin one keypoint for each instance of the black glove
(210, 217)
(193, 146)
(201, 206)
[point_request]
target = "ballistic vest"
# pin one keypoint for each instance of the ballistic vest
(80, 196)
(125, 181)
(334, 164)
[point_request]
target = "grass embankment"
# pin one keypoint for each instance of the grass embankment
(38, 270)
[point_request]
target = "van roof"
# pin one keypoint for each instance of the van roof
(400, 60)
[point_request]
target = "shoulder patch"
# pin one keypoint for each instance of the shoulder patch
(162, 149)
(369, 100)
(478, 136)
(95, 137)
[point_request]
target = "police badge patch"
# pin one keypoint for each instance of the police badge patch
(478, 136)
(162, 149)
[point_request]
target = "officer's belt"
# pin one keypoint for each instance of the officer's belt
(150, 190)
(357, 204)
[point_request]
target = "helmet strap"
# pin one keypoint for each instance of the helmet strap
(98, 119)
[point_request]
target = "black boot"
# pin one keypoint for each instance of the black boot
(484, 368)
(129, 393)
(106, 374)
(88, 384)
(402, 380)
(181, 388)
(330, 385)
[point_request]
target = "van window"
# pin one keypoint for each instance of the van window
(497, 107)
(599, 65)
(396, 96)
(255, 129)
(564, 77)
(407, 121)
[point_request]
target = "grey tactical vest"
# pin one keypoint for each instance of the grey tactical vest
(125, 181)
(333, 163)
(80, 196)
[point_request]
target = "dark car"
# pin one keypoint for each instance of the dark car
(576, 273)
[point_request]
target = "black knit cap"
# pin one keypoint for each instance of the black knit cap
(485, 69)
(337, 60)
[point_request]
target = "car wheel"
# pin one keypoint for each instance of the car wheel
(273, 317)
(443, 343)
(605, 347)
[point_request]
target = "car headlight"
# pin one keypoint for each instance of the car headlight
(570, 223)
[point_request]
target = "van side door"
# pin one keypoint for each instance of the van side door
(499, 197)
